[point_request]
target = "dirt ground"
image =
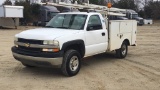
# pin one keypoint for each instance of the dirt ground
(140, 70)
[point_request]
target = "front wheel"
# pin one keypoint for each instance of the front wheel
(122, 52)
(71, 63)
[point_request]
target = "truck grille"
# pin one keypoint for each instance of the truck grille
(29, 49)
(40, 42)
(141, 21)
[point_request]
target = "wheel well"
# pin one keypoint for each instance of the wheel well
(127, 41)
(78, 47)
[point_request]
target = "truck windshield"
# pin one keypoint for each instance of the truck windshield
(68, 21)
(53, 14)
(134, 15)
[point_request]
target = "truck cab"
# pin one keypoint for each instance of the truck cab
(131, 14)
(46, 14)
(69, 37)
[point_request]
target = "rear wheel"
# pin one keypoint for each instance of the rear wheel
(71, 63)
(122, 52)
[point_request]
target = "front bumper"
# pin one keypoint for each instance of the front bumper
(40, 59)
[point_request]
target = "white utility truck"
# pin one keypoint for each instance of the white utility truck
(69, 37)
(9, 15)
(148, 21)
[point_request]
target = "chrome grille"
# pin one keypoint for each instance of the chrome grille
(29, 49)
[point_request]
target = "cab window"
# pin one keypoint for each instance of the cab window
(94, 23)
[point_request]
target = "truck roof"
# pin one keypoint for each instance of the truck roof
(9, 6)
(49, 8)
(86, 13)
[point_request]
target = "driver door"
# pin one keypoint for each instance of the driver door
(96, 36)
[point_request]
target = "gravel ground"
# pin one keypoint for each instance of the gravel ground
(140, 70)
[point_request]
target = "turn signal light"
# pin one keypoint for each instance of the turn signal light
(51, 50)
(55, 49)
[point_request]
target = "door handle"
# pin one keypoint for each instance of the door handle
(103, 34)
(121, 36)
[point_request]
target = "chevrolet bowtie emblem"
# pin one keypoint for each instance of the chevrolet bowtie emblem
(26, 44)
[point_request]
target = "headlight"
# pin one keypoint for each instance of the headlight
(50, 42)
(56, 43)
(15, 39)
(50, 50)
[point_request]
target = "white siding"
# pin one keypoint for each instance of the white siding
(11, 11)
(1, 11)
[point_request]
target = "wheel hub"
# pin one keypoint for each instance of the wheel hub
(74, 63)
(124, 50)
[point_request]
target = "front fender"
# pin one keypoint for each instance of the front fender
(75, 44)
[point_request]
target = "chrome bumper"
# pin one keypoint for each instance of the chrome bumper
(38, 61)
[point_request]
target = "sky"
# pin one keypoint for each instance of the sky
(1, 1)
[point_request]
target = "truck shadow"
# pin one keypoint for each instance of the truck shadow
(96, 60)
(99, 59)
(42, 72)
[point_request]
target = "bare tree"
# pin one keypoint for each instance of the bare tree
(7, 2)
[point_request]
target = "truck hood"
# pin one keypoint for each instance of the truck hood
(138, 18)
(45, 33)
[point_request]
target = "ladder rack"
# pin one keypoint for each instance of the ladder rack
(98, 8)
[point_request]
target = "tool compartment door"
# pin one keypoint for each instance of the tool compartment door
(114, 40)
(134, 33)
(120, 30)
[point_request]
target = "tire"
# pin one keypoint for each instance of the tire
(26, 65)
(71, 63)
(122, 52)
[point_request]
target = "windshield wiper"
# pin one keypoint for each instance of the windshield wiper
(49, 27)
(63, 27)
